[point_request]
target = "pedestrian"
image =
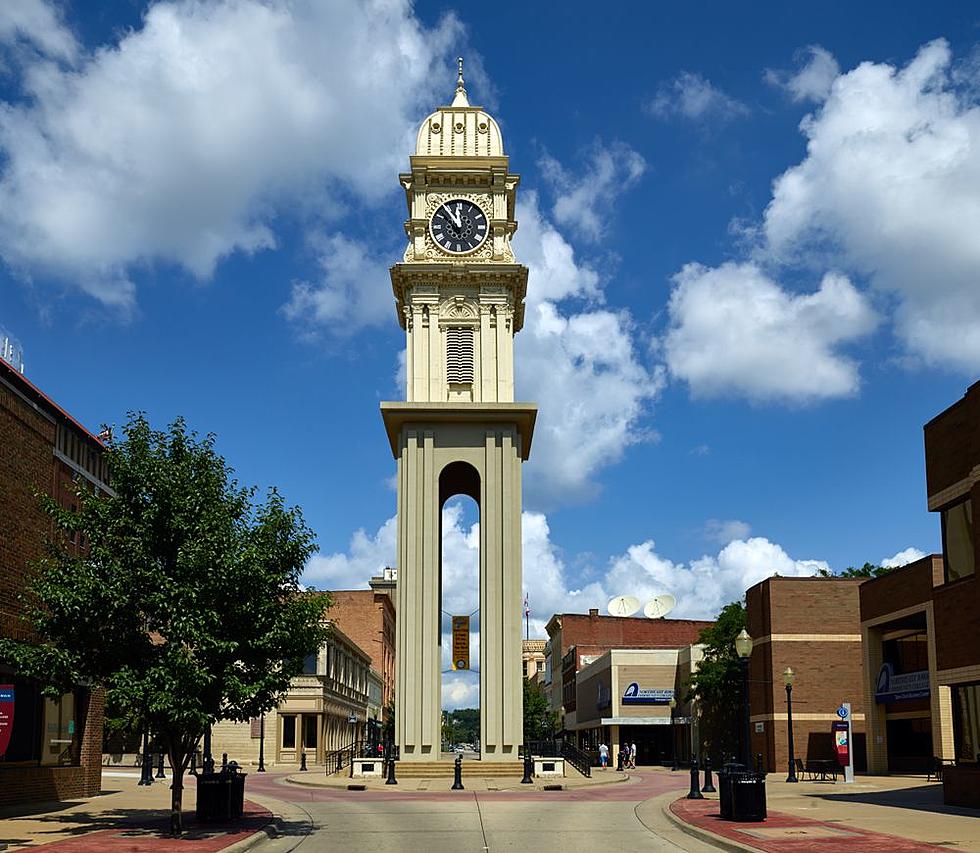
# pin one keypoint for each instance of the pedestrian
(633, 756)
(603, 755)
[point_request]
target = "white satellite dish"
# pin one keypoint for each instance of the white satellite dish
(659, 606)
(623, 605)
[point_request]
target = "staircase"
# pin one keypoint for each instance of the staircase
(471, 769)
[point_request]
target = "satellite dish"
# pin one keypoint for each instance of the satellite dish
(623, 605)
(659, 606)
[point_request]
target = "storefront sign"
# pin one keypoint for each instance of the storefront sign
(893, 687)
(636, 695)
(6, 716)
(461, 642)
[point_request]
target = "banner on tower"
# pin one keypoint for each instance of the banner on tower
(461, 642)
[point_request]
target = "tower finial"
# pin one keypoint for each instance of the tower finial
(460, 99)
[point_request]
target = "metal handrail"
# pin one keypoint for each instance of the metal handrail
(579, 759)
(337, 759)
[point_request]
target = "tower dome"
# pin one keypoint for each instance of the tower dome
(459, 130)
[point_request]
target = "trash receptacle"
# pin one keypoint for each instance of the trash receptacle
(221, 796)
(748, 796)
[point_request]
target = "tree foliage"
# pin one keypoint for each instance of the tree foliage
(868, 570)
(186, 605)
(716, 686)
(539, 722)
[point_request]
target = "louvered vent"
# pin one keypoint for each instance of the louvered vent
(459, 355)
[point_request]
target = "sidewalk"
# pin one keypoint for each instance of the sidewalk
(876, 813)
(125, 817)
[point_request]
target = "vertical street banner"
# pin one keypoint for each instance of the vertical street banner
(6, 716)
(461, 642)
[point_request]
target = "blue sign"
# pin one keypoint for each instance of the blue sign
(842, 712)
(894, 687)
(636, 695)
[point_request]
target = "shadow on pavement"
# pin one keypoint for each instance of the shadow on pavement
(926, 798)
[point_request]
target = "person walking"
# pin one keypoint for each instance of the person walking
(603, 755)
(633, 756)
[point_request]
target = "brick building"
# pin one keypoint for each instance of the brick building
(909, 714)
(952, 448)
(325, 709)
(367, 616)
(813, 626)
(55, 746)
(576, 640)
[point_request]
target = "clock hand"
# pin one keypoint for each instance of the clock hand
(457, 220)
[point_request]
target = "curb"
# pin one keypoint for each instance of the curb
(271, 830)
(718, 841)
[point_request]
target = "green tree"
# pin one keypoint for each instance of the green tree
(539, 722)
(868, 570)
(716, 686)
(186, 606)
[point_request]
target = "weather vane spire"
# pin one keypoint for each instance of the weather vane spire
(460, 100)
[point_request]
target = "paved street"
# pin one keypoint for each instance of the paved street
(612, 817)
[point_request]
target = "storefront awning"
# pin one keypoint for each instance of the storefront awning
(642, 721)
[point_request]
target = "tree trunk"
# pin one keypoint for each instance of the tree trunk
(178, 762)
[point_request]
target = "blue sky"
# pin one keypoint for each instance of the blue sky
(751, 233)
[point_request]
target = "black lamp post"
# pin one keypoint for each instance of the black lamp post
(743, 646)
(788, 677)
(262, 744)
(208, 761)
(146, 766)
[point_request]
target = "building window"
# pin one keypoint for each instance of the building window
(45, 731)
(958, 556)
(459, 355)
(966, 722)
(309, 665)
(540, 666)
(288, 731)
(310, 730)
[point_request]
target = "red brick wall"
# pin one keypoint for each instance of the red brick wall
(368, 619)
(617, 632)
(952, 442)
(28, 466)
(901, 588)
(827, 671)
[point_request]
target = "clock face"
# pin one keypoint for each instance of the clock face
(459, 226)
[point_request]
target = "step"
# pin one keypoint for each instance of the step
(471, 769)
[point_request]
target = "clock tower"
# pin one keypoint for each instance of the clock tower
(459, 293)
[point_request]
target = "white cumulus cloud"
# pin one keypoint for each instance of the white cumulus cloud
(580, 363)
(39, 24)
(903, 558)
(724, 532)
(695, 98)
(812, 80)
(734, 331)
(585, 195)
(181, 141)
(353, 290)
(890, 190)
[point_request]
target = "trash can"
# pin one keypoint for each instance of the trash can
(221, 796)
(749, 796)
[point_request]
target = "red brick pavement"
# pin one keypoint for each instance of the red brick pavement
(153, 837)
(783, 833)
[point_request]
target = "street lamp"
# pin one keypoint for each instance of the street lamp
(788, 677)
(743, 647)
(673, 741)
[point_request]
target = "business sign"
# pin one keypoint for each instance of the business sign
(6, 716)
(893, 687)
(842, 747)
(636, 695)
(461, 642)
